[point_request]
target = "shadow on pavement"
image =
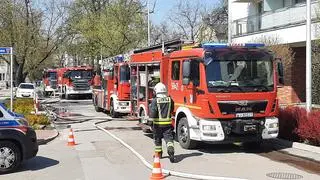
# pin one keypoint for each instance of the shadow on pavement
(180, 157)
(37, 163)
(265, 147)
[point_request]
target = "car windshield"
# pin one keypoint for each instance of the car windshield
(124, 73)
(81, 74)
(26, 86)
(234, 71)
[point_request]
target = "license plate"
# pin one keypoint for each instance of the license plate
(241, 115)
(249, 128)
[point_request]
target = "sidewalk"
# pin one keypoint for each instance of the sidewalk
(296, 149)
(45, 136)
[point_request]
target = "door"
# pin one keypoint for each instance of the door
(175, 87)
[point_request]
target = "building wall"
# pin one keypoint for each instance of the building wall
(295, 75)
(286, 22)
(3, 73)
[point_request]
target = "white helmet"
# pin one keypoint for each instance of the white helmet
(160, 89)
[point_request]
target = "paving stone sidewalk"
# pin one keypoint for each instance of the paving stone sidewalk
(44, 136)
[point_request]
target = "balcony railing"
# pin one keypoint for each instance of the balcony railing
(280, 18)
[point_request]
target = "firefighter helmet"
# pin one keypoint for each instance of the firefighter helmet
(160, 89)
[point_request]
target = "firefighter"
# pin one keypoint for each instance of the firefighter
(160, 113)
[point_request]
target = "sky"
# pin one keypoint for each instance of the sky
(163, 7)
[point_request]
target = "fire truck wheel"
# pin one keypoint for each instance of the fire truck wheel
(184, 135)
(113, 114)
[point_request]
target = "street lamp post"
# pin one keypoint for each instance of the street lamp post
(308, 60)
(148, 22)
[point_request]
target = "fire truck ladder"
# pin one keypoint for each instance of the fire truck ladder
(167, 46)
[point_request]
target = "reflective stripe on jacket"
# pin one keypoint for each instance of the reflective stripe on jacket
(160, 111)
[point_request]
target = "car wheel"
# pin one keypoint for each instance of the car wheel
(10, 156)
(183, 134)
(113, 113)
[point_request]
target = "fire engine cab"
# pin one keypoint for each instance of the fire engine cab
(221, 92)
(75, 80)
(49, 81)
(113, 93)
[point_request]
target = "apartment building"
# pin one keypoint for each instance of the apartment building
(284, 20)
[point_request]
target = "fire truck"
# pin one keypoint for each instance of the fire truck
(49, 80)
(113, 93)
(222, 93)
(76, 80)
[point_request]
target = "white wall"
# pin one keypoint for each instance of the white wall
(288, 35)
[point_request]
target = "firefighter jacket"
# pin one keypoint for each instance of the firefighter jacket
(160, 111)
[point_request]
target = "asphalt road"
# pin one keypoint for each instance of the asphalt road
(98, 156)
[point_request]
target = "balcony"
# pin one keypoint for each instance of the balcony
(273, 20)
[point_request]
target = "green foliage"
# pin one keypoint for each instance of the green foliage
(34, 32)
(25, 106)
(107, 27)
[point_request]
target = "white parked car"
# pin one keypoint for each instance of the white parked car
(25, 90)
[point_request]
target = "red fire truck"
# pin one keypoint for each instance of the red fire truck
(221, 93)
(49, 80)
(114, 93)
(75, 80)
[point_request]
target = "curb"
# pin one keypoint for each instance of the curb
(45, 141)
(297, 145)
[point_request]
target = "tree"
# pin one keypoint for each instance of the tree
(282, 51)
(107, 27)
(188, 19)
(34, 33)
(218, 20)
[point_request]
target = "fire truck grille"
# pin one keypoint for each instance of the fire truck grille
(82, 86)
(53, 84)
(233, 107)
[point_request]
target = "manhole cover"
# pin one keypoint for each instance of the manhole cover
(283, 175)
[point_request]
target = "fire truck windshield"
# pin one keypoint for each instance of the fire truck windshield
(239, 71)
(80, 74)
(52, 75)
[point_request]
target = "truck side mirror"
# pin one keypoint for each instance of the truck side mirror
(186, 72)
(280, 71)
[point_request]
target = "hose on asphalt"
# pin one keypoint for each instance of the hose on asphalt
(169, 172)
(148, 165)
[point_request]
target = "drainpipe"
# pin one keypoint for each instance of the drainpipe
(308, 60)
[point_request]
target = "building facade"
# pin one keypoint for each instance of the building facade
(4, 74)
(284, 20)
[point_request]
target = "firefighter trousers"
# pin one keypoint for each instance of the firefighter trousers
(165, 132)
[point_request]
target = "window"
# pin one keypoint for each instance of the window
(175, 70)
(299, 1)
(195, 73)
(1, 114)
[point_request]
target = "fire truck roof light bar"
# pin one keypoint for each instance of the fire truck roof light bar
(225, 45)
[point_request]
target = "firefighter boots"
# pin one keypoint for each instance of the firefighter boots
(171, 153)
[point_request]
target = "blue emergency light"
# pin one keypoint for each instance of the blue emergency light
(118, 58)
(225, 45)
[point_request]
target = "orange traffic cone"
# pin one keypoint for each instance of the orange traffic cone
(71, 141)
(156, 171)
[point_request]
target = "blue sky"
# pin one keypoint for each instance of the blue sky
(163, 7)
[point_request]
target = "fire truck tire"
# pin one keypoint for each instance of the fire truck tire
(183, 135)
(113, 113)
